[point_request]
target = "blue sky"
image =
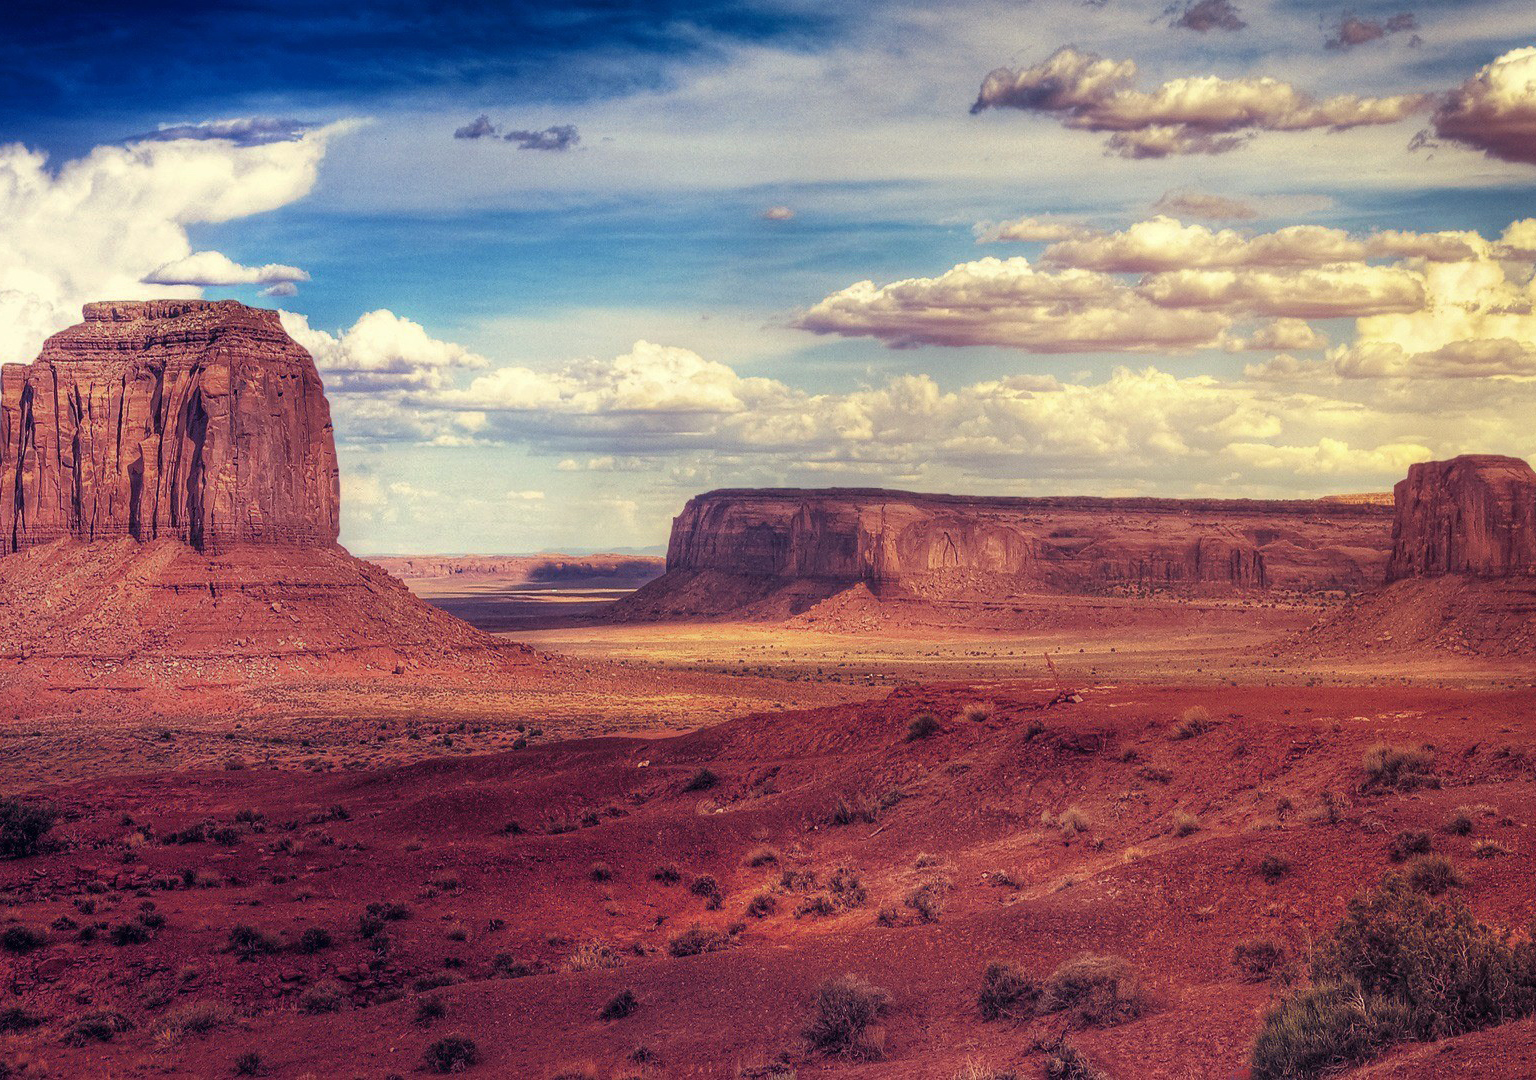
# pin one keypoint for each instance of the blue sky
(553, 348)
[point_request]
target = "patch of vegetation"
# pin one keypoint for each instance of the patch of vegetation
(324, 997)
(1259, 959)
(852, 809)
(666, 874)
(1095, 991)
(1489, 849)
(928, 899)
(314, 939)
(709, 889)
(248, 942)
(762, 904)
(697, 939)
(922, 726)
(1408, 843)
(762, 856)
(1433, 874)
(977, 711)
(24, 824)
(1066, 1062)
(248, 1064)
(1193, 721)
(100, 1026)
(1272, 868)
(430, 1010)
(1459, 823)
(622, 1004)
(1398, 768)
(702, 780)
(451, 1054)
(14, 1020)
(1398, 967)
(21, 940)
(1006, 993)
(593, 956)
(193, 1018)
(1185, 823)
(843, 1013)
(600, 871)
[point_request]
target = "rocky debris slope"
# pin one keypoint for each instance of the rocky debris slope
(735, 549)
(187, 419)
(1471, 515)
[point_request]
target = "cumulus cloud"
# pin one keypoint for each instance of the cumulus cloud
(558, 137)
(1310, 293)
(282, 288)
(1495, 110)
(1197, 115)
(1206, 15)
(242, 131)
(1204, 206)
(96, 227)
(1009, 302)
(214, 268)
(1351, 30)
(380, 352)
(1027, 230)
(778, 213)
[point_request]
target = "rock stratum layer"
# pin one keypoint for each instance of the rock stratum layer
(191, 420)
(1471, 515)
(734, 548)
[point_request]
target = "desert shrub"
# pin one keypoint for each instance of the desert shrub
(430, 1010)
(622, 1004)
(1408, 843)
(451, 1054)
(697, 939)
(193, 1018)
(600, 871)
(1459, 822)
(314, 939)
(1398, 768)
(1195, 720)
(975, 1069)
(593, 956)
(23, 825)
(1185, 823)
(22, 939)
(667, 874)
(96, 1027)
(762, 856)
(819, 906)
(842, 1014)
(14, 1020)
(847, 888)
(1259, 958)
(1398, 966)
(702, 780)
(1432, 874)
(922, 726)
(1071, 821)
(1273, 867)
(707, 887)
(925, 861)
(1006, 992)
(888, 915)
(1097, 991)
(323, 997)
(248, 1064)
(927, 900)
(509, 967)
(1007, 879)
(1066, 1062)
(134, 931)
(388, 910)
(1489, 849)
(762, 904)
(248, 942)
(977, 711)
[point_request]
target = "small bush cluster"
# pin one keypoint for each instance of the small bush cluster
(1066, 1062)
(451, 1054)
(702, 780)
(1094, 991)
(1398, 768)
(622, 1004)
(1273, 867)
(698, 939)
(24, 823)
(1259, 959)
(1433, 874)
(928, 899)
(922, 726)
(1006, 993)
(1194, 721)
(1185, 823)
(843, 1014)
(1408, 843)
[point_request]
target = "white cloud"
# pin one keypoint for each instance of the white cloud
(1495, 110)
(778, 213)
(381, 351)
(206, 268)
(96, 227)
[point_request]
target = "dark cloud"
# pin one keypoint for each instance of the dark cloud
(1205, 206)
(242, 131)
(478, 128)
(1494, 111)
(1208, 15)
(1350, 31)
(559, 137)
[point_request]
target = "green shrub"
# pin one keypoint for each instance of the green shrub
(842, 1014)
(1096, 991)
(1398, 768)
(1006, 992)
(451, 1054)
(622, 1004)
(23, 825)
(1324, 1028)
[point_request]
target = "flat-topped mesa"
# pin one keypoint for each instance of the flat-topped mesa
(197, 420)
(1472, 515)
(930, 544)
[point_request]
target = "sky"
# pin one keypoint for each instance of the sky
(564, 266)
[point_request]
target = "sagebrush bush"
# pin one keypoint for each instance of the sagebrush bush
(1432, 874)
(22, 939)
(1408, 843)
(1096, 991)
(622, 1004)
(702, 780)
(928, 899)
(247, 942)
(1006, 992)
(1259, 958)
(922, 726)
(1273, 867)
(1066, 1062)
(1398, 768)
(451, 1054)
(24, 823)
(1185, 823)
(324, 997)
(1195, 720)
(843, 1013)
(697, 939)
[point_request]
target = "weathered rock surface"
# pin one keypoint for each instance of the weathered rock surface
(734, 547)
(184, 419)
(1471, 515)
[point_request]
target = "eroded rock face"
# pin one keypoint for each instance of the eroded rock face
(1471, 515)
(989, 547)
(195, 420)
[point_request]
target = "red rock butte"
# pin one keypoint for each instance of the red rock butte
(200, 421)
(1474, 514)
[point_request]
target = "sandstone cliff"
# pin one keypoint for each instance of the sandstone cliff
(732, 547)
(1471, 515)
(184, 419)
